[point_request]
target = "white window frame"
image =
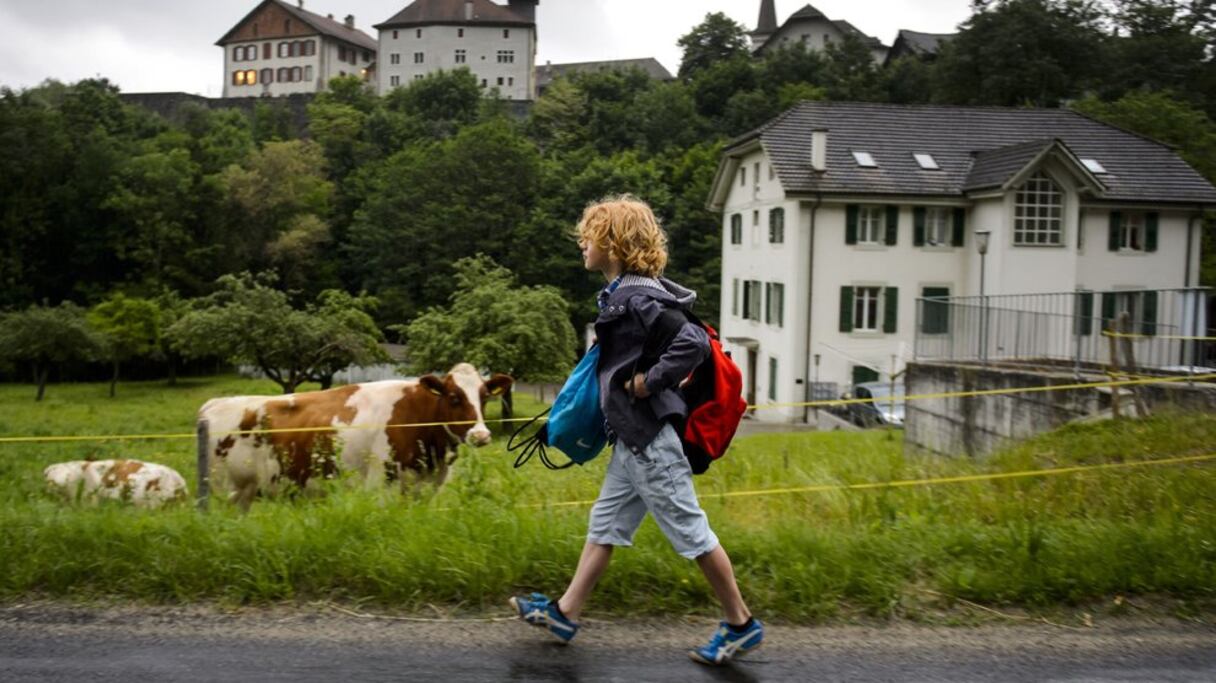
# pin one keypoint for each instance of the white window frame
(419, 57)
(776, 225)
(871, 225)
(867, 304)
(394, 80)
(939, 231)
(394, 58)
(774, 304)
(506, 56)
(1132, 232)
(1038, 213)
(462, 56)
(755, 304)
(736, 229)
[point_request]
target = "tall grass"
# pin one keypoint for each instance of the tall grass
(1028, 542)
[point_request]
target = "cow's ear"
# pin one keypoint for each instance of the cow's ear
(499, 384)
(433, 384)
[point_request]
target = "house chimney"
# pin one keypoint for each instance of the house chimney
(468, 10)
(819, 150)
(350, 21)
(301, 4)
(331, 15)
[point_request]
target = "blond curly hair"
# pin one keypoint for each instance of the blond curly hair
(626, 228)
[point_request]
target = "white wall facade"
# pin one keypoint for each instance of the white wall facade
(482, 45)
(1009, 269)
(813, 34)
(315, 69)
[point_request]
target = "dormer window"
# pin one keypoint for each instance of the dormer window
(927, 162)
(865, 159)
(1094, 166)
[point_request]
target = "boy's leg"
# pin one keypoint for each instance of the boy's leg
(591, 566)
(721, 577)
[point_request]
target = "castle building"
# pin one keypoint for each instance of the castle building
(809, 28)
(497, 43)
(283, 49)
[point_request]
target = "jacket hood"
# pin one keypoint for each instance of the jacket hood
(660, 288)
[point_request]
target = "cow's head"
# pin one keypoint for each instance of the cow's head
(462, 395)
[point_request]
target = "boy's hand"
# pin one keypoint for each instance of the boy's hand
(637, 386)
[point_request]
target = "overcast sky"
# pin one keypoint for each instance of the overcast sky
(169, 45)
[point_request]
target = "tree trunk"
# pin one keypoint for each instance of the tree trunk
(114, 380)
(40, 374)
(172, 370)
(326, 380)
(508, 405)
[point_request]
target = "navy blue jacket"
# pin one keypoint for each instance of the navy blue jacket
(622, 329)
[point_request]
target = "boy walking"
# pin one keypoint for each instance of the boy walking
(621, 239)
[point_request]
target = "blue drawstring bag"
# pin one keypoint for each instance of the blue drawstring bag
(576, 422)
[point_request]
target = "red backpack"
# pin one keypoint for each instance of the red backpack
(713, 392)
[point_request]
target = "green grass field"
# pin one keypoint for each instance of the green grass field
(1037, 543)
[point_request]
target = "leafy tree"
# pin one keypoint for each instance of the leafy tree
(748, 110)
(1019, 52)
(666, 117)
(445, 100)
(44, 336)
(126, 328)
(494, 323)
(558, 119)
(611, 119)
(718, 38)
(432, 204)
(714, 86)
(272, 122)
(248, 321)
(790, 64)
(694, 232)
(907, 80)
(850, 73)
(1160, 45)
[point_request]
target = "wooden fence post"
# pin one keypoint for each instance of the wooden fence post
(204, 473)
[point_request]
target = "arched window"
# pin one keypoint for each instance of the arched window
(284, 49)
(267, 76)
(238, 78)
(1038, 212)
(236, 53)
(283, 75)
(308, 73)
(297, 48)
(297, 74)
(251, 77)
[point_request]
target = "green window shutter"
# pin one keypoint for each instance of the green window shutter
(890, 313)
(918, 226)
(1108, 310)
(892, 225)
(1148, 322)
(1150, 231)
(1085, 313)
(846, 309)
(960, 227)
(768, 297)
(850, 224)
(862, 374)
(1112, 240)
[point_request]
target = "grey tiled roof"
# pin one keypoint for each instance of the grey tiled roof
(957, 137)
(547, 73)
(322, 24)
(995, 166)
(429, 12)
(923, 43)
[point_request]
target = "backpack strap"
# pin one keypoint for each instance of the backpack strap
(531, 445)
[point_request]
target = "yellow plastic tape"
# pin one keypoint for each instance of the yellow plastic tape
(1129, 335)
(905, 483)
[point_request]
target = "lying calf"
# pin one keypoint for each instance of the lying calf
(143, 484)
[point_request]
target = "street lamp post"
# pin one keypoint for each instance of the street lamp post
(981, 244)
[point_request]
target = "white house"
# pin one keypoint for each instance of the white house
(496, 43)
(280, 48)
(809, 28)
(838, 216)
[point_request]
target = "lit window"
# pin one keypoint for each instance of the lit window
(865, 159)
(1094, 166)
(238, 78)
(251, 77)
(1038, 212)
(870, 224)
(927, 162)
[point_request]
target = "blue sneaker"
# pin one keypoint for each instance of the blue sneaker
(537, 609)
(726, 644)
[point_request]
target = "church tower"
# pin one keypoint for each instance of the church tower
(766, 25)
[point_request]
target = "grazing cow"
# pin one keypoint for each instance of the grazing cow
(450, 409)
(143, 484)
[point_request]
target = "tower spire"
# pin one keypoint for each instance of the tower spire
(767, 23)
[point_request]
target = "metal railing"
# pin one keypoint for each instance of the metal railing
(1170, 329)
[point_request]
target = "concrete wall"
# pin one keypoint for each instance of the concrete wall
(977, 426)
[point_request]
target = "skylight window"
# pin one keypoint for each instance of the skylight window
(1094, 166)
(865, 159)
(927, 162)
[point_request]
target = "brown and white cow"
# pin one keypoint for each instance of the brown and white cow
(243, 461)
(143, 484)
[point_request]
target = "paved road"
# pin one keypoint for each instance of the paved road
(55, 643)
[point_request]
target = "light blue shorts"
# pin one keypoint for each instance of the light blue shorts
(657, 480)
